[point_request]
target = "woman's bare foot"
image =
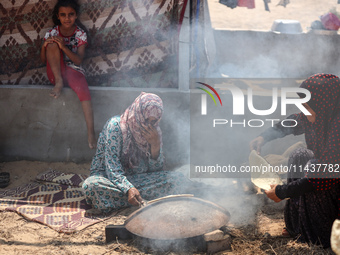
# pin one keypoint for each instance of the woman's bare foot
(92, 141)
(57, 89)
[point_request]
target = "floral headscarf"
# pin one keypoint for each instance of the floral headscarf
(323, 136)
(135, 146)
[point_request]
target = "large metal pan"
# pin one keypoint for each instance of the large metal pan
(176, 217)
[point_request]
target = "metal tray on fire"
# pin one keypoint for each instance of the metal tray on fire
(176, 217)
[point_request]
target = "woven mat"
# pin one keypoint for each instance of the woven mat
(55, 199)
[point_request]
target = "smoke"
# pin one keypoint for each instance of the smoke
(227, 146)
(249, 56)
(175, 127)
(233, 194)
(255, 54)
(259, 67)
(245, 55)
(189, 135)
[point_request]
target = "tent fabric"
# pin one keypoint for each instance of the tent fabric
(132, 43)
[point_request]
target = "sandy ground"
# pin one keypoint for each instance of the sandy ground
(257, 235)
(255, 226)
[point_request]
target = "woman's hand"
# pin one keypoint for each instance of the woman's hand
(271, 193)
(134, 198)
(151, 135)
(257, 144)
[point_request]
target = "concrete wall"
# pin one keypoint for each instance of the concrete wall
(35, 126)
(266, 54)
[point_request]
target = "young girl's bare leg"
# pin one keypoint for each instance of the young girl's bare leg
(53, 58)
(88, 114)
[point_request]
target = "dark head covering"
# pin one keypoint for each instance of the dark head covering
(323, 136)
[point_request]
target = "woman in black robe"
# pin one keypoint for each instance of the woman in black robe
(314, 187)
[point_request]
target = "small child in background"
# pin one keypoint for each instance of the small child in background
(63, 51)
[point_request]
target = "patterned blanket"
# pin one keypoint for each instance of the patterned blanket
(55, 199)
(132, 43)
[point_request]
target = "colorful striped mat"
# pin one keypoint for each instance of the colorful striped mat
(55, 199)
